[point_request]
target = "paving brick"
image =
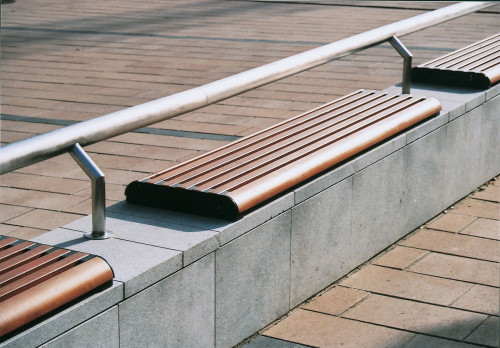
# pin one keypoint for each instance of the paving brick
(37, 199)
(25, 232)
(458, 268)
(429, 341)
(44, 219)
(8, 212)
(399, 257)
(407, 285)
(114, 192)
(268, 342)
(451, 222)
(416, 317)
(321, 330)
(474, 207)
(43, 183)
(5, 229)
(454, 244)
(486, 228)
(337, 300)
(487, 333)
(480, 298)
(490, 191)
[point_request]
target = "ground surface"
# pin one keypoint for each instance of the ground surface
(64, 62)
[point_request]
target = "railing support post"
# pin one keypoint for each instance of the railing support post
(407, 56)
(98, 193)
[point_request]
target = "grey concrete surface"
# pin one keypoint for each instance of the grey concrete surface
(379, 151)
(67, 318)
(252, 281)
(463, 141)
(176, 312)
(489, 158)
(323, 182)
(422, 168)
(99, 332)
(127, 259)
(193, 242)
(376, 207)
(320, 241)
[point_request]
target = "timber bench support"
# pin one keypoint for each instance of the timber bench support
(232, 179)
(474, 66)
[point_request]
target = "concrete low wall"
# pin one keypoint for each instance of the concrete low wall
(188, 281)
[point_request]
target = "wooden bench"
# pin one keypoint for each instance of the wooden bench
(36, 279)
(474, 66)
(234, 178)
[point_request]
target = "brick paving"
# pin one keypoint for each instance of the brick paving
(437, 287)
(64, 62)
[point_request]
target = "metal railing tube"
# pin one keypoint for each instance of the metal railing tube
(407, 59)
(98, 183)
(38, 148)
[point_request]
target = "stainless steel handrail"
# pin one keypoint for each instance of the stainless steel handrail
(69, 139)
(44, 146)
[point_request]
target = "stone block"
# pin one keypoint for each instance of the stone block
(379, 151)
(100, 331)
(324, 181)
(490, 140)
(178, 311)
(167, 216)
(193, 242)
(462, 148)
(250, 220)
(426, 127)
(252, 281)
(67, 318)
(493, 92)
(320, 241)
(470, 97)
(376, 207)
(125, 257)
(423, 180)
(269, 342)
(455, 100)
(227, 230)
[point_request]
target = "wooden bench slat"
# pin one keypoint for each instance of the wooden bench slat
(36, 279)
(32, 266)
(23, 258)
(11, 251)
(474, 66)
(13, 288)
(235, 178)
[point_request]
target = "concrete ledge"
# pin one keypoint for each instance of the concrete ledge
(184, 280)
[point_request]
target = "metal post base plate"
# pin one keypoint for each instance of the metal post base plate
(99, 236)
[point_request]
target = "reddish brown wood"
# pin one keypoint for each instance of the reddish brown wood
(23, 258)
(31, 266)
(234, 178)
(29, 280)
(475, 66)
(7, 241)
(7, 253)
(51, 294)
